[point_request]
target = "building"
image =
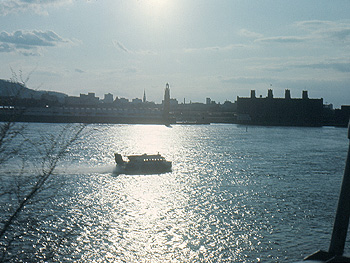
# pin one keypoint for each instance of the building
(89, 99)
(285, 111)
(341, 117)
(121, 100)
(173, 102)
(136, 101)
(108, 98)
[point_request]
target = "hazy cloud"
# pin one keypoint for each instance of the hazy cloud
(37, 6)
(276, 65)
(250, 34)
(312, 25)
(5, 47)
(247, 80)
(327, 29)
(29, 42)
(33, 38)
(341, 34)
(79, 70)
(313, 30)
(120, 46)
(130, 70)
(282, 39)
(215, 48)
(343, 67)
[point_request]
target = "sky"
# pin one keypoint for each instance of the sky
(219, 49)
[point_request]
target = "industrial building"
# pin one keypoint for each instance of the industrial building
(285, 111)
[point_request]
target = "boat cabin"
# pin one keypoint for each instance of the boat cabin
(146, 158)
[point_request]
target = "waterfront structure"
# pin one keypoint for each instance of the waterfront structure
(18, 103)
(83, 99)
(82, 114)
(285, 111)
(87, 108)
(90, 98)
(338, 117)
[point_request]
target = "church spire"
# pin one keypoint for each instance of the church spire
(144, 96)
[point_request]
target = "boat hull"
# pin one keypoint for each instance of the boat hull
(146, 168)
(142, 164)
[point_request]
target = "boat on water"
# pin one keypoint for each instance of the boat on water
(142, 164)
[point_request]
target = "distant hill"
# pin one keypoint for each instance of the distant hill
(14, 89)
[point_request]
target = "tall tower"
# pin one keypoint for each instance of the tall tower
(167, 93)
(287, 94)
(252, 94)
(305, 96)
(144, 96)
(166, 103)
(270, 94)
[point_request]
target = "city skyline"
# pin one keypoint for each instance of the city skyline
(269, 92)
(110, 97)
(203, 49)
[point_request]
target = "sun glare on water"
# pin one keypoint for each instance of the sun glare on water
(140, 139)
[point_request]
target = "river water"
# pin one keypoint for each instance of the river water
(236, 194)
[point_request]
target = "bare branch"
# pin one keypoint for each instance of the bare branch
(23, 189)
(52, 157)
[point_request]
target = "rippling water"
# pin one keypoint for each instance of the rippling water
(236, 194)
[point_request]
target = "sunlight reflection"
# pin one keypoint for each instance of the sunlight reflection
(188, 214)
(221, 203)
(150, 221)
(150, 139)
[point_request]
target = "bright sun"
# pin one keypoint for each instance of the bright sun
(156, 8)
